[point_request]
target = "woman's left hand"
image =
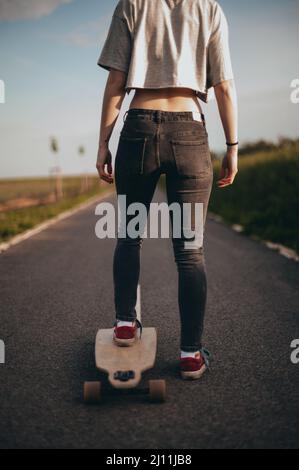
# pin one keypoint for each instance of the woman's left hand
(105, 160)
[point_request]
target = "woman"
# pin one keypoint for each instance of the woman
(171, 52)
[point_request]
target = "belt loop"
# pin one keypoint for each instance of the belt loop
(158, 115)
(125, 115)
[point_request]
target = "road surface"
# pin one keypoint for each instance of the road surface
(56, 291)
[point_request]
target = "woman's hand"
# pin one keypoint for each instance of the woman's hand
(229, 168)
(105, 160)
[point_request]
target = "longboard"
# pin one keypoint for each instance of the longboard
(125, 365)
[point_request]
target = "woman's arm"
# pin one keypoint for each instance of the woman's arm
(112, 101)
(226, 97)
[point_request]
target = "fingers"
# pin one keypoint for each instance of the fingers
(227, 180)
(107, 177)
(223, 175)
(104, 164)
(109, 166)
(223, 172)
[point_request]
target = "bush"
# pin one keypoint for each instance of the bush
(264, 198)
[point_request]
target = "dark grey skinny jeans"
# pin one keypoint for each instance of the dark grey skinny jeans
(151, 143)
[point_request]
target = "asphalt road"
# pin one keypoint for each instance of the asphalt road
(56, 291)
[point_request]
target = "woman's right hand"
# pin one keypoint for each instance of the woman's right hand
(229, 168)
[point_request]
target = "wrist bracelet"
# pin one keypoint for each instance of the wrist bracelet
(232, 145)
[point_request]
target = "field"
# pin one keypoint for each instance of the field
(35, 191)
(25, 203)
(264, 198)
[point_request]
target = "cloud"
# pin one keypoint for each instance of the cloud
(14, 10)
(84, 35)
(89, 34)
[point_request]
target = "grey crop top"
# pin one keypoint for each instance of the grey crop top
(169, 43)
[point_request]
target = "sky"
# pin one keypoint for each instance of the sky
(54, 87)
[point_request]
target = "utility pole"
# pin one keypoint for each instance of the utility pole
(57, 170)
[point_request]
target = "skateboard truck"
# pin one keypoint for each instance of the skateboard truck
(124, 376)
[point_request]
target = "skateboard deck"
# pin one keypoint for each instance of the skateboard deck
(125, 365)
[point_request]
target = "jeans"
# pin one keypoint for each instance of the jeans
(154, 142)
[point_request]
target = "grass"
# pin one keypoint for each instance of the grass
(39, 188)
(264, 198)
(14, 222)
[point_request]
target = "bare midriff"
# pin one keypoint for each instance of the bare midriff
(166, 99)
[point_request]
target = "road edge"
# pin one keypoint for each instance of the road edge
(281, 249)
(44, 225)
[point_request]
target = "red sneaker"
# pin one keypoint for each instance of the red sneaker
(194, 368)
(126, 335)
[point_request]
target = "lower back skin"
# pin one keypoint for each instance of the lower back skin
(166, 99)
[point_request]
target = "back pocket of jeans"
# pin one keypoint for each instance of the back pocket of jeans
(129, 158)
(192, 157)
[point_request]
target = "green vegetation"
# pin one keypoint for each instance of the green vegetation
(41, 188)
(264, 198)
(13, 222)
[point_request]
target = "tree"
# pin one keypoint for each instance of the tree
(85, 180)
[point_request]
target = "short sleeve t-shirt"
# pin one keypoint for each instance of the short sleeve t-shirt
(169, 43)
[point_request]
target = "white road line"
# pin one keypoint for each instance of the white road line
(138, 303)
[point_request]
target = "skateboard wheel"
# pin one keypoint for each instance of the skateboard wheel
(92, 392)
(157, 390)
